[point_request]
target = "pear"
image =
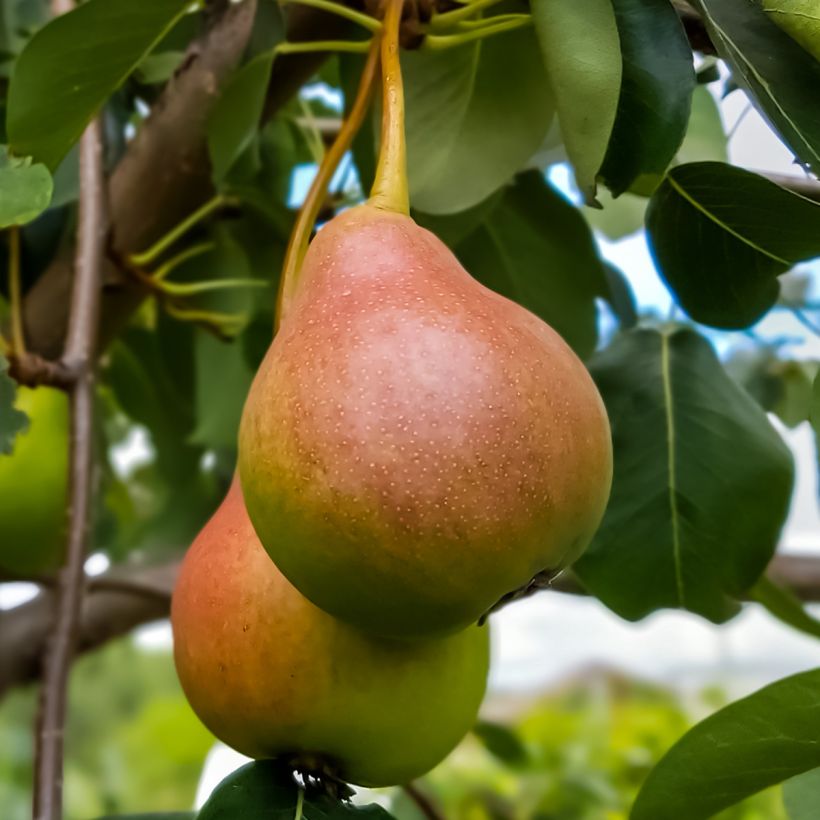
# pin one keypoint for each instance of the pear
(414, 445)
(33, 485)
(272, 675)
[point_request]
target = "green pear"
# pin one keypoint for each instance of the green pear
(414, 445)
(33, 485)
(272, 675)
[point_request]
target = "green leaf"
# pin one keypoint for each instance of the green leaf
(73, 64)
(223, 379)
(536, 249)
(265, 790)
(159, 68)
(12, 420)
(620, 297)
(785, 606)
(582, 53)
(502, 742)
(656, 92)
(721, 236)
(618, 217)
(781, 77)
(814, 411)
(25, 189)
(800, 19)
(756, 742)
(237, 114)
(695, 523)
(457, 153)
(801, 795)
(705, 138)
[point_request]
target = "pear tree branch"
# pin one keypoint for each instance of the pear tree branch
(79, 361)
(126, 597)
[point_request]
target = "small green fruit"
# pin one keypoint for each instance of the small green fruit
(274, 676)
(33, 485)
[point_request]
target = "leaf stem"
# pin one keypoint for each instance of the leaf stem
(448, 18)
(183, 256)
(495, 20)
(353, 46)
(191, 288)
(18, 337)
(390, 186)
(300, 235)
(160, 246)
(439, 42)
(370, 23)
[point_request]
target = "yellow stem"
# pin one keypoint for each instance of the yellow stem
(18, 338)
(300, 235)
(390, 187)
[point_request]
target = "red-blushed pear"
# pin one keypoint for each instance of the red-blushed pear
(272, 675)
(33, 485)
(414, 445)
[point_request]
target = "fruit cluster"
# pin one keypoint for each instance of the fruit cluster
(413, 449)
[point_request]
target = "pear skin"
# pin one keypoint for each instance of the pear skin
(272, 675)
(414, 445)
(34, 484)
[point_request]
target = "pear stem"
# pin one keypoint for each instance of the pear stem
(300, 235)
(18, 339)
(390, 187)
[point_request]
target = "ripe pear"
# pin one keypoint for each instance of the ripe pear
(414, 445)
(272, 675)
(33, 485)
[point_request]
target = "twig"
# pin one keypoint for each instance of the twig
(115, 603)
(423, 803)
(79, 358)
(127, 597)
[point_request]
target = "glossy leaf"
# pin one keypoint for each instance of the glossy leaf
(721, 236)
(784, 605)
(581, 50)
(656, 92)
(705, 138)
(780, 75)
(801, 795)
(73, 64)
(756, 742)
(12, 420)
(236, 115)
(25, 189)
(265, 790)
(800, 19)
(502, 743)
(475, 116)
(219, 398)
(159, 68)
(695, 523)
(536, 249)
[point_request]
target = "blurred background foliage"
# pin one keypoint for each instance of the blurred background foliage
(578, 751)
(173, 383)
